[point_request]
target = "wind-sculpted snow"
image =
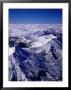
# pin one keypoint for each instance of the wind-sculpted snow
(35, 57)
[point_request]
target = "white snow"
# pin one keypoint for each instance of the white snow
(42, 40)
(20, 74)
(11, 50)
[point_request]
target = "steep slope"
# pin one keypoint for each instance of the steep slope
(42, 61)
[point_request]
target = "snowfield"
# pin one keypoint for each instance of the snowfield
(42, 40)
(11, 50)
(35, 52)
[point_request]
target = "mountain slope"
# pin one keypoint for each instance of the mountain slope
(41, 61)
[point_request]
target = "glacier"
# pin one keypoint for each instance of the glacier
(35, 52)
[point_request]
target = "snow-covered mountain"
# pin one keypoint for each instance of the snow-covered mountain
(35, 52)
(42, 40)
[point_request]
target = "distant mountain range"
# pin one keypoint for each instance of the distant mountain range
(15, 29)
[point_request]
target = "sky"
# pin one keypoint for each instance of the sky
(35, 16)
